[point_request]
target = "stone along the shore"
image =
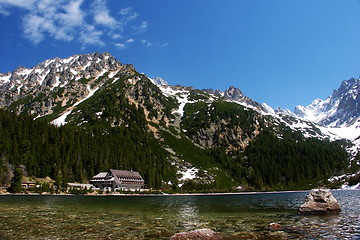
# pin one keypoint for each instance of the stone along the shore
(320, 201)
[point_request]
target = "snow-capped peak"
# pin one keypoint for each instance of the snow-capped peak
(268, 109)
(53, 77)
(339, 109)
(158, 81)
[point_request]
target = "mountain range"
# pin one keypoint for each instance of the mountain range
(178, 137)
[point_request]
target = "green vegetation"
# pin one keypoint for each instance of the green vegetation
(112, 134)
(84, 80)
(225, 118)
(15, 184)
(43, 187)
(274, 158)
(188, 151)
(196, 95)
(230, 144)
(70, 154)
(287, 162)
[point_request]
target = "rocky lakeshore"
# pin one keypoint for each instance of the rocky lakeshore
(230, 216)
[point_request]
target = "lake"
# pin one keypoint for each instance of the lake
(241, 216)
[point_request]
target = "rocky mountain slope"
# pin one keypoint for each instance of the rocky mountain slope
(338, 116)
(192, 139)
(341, 109)
(56, 83)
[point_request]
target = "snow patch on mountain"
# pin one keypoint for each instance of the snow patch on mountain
(112, 74)
(317, 110)
(91, 93)
(181, 96)
(351, 132)
(347, 187)
(61, 120)
(268, 109)
(158, 81)
(187, 174)
(5, 78)
(344, 178)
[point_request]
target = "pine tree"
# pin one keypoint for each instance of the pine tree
(15, 186)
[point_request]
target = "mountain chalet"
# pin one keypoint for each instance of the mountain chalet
(118, 179)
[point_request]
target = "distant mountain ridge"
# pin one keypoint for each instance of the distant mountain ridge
(209, 138)
(59, 84)
(342, 108)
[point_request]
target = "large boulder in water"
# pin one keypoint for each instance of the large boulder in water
(200, 234)
(320, 201)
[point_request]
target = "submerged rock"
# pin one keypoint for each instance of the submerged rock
(200, 234)
(274, 227)
(320, 201)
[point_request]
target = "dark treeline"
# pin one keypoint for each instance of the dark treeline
(287, 161)
(273, 163)
(73, 154)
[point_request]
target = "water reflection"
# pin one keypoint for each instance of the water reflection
(189, 215)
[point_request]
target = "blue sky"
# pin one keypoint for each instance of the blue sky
(281, 52)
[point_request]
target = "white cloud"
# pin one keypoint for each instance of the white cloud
(56, 20)
(104, 19)
(121, 46)
(116, 36)
(127, 16)
(91, 36)
(146, 43)
(127, 11)
(47, 6)
(142, 27)
(4, 12)
(34, 27)
(72, 20)
(17, 3)
(73, 15)
(102, 14)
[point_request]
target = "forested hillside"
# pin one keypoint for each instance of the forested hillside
(72, 118)
(259, 153)
(69, 154)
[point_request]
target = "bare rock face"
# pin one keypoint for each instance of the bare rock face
(200, 234)
(320, 201)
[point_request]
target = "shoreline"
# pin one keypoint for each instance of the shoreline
(167, 194)
(156, 194)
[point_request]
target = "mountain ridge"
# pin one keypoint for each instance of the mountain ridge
(225, 131)
(53, 75)
(339, 109)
